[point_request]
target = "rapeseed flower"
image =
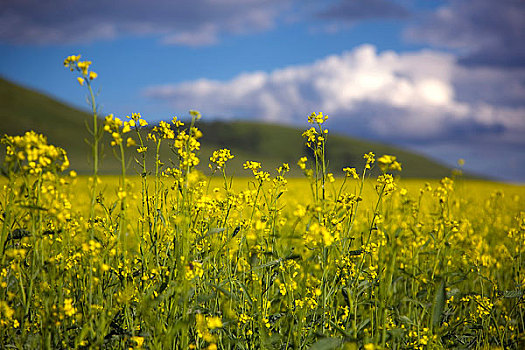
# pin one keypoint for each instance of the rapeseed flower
(370, 159)
(317, 118)
(137, 340)
(351, 172)
(250, 265)
(302, 163)
(386, 184)
(388, 163)
(220, 157)
(69, 309)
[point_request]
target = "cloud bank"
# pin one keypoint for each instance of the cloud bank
(416, 96)
(486, 32)
(184, 22)
(423, 100)
(181, 22)
(352, 10)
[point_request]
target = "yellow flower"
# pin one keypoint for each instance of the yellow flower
(387, 162)
(164, 130)
(369, 159)
(214, 322)
(84, 67)
(386, 184)
(130, 142)
(117, 139)
(177, 122)
(126, 128)
(138, 340)
(282, 289)
(302, 163)
(318, 118)
(220, 157)
(195, 114)
(318, 235)
(309, 135)
(121, 194)
(92, 75)
(284, 168)
(69, 310)
(351, 172)
(70, 61)
(6, 310)
(80, 80)
(193, 270)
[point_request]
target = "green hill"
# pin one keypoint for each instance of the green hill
(24, 109)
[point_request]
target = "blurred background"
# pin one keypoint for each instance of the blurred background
(445, 79)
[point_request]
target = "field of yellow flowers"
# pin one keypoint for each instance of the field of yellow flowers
(172, 259)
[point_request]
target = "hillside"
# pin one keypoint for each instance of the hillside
(24, 109)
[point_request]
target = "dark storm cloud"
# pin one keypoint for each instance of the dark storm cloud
(496, 86)
(353, 10)
(181, 22)
(486, 32)
(187, 22)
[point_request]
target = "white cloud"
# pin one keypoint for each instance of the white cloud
(406, 95)
(207, 35)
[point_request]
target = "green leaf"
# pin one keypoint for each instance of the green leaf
(405, 320)
(326, 344)
(269, 264)
(223, 291)
(339, 329)
(512, 293)
(439, 304)
(33, 207)
(362, 325)
(210, 232)
(245, 292)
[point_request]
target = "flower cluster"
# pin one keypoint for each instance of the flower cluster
(117, 128)
(385, 184)
(318, 235)
(74, 63)
(317, 118)
(164, 130)
(186, 146)
(302, 163)
(259, 174)
(31, 154)
(205, 325)
(193, 270)
(370, 159)
(351, 172)
(220, 157)
(388, 163)
(315, 138)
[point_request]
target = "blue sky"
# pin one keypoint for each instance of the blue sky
(444, 78)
